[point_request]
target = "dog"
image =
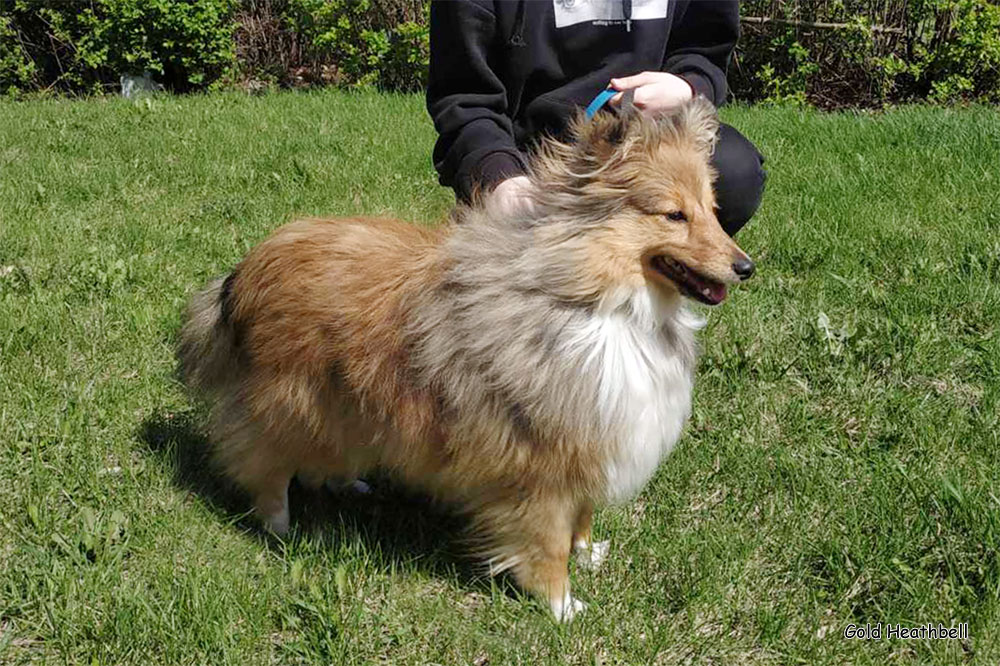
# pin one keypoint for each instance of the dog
(522, 366)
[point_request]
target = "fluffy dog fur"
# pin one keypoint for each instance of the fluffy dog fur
(524, 369)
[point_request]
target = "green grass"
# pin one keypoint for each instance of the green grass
(841, 465)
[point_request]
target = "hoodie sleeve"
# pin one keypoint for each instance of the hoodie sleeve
(467, 100)
(701, 44)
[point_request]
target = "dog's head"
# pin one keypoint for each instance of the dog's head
(634, 193)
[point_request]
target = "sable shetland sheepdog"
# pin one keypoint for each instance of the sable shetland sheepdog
(524, 366)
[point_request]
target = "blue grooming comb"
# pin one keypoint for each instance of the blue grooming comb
(600, 101)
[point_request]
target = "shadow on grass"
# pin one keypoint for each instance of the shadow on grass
(398, 526)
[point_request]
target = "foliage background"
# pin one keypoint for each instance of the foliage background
(85, 46)
(834, 53)
(828, 53)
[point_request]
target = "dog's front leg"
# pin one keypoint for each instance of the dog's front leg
(589, 554)
(532, 538)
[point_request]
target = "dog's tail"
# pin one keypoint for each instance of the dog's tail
(208, 353)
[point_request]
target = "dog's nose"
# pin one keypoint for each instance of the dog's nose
(743, 268)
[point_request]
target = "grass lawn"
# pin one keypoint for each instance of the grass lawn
(841, 465)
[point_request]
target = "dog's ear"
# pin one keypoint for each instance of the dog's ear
(698, 122)
(602, 138)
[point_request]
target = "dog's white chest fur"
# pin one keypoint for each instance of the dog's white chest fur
(644, 355)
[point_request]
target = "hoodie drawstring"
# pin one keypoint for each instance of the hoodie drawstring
(517, 36)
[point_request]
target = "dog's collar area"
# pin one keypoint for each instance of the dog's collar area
(605, 96)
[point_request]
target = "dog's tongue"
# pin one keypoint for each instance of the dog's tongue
(717, 292)
(713, 292)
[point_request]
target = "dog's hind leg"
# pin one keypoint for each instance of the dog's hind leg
(271, 504)
(270, 500)
(312, 480)
(246, 451)
(266, 480)
(589, 554)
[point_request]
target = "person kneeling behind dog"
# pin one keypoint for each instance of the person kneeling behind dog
(503, 73)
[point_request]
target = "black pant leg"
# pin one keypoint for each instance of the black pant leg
(741, 177)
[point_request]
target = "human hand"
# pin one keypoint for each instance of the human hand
(654, 91)
(513, 194)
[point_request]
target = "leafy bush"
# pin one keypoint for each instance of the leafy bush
(86, 48)
(829, 53)
(405, 64)
(851, 52)
(16, 69)
(52, 44)
(364, 43)
(965, 61)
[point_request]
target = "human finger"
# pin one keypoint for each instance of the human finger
(634, 81)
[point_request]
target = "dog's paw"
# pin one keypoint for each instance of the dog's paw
(567, 608)
(356, 486)
(592, 557)
(360, 487)
(277, 523)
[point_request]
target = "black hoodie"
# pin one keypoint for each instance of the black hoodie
(504, 72)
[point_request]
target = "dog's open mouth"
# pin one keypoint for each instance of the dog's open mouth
(690, 282)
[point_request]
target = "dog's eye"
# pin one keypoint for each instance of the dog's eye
(677, 216)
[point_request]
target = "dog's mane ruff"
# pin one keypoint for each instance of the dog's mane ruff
(518, 367)
(517, 357)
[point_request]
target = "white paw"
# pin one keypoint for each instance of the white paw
(277, 522)
(567, 608)
(592, 557)
(356, 486)
(360, 487)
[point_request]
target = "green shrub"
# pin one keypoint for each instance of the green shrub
(789, 88)
(87, 47)
(829, 53)
(405, 64)
(965, 62)
(851, 52)
(363, 45)
(17, 71)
